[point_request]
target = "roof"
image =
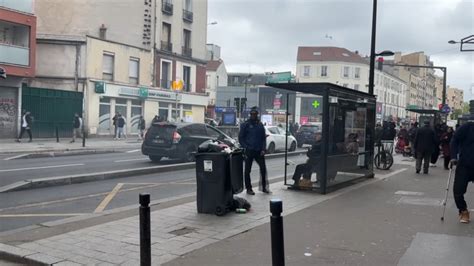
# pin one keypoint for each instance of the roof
(320, 88)
(331, 54)
(423, 111)
(213, 65)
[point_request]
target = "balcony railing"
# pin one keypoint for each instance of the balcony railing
(187, 16)
(165, 84)
(14, 55)
(187, 87)
(166, 7)
(166, 46)
(187, 51)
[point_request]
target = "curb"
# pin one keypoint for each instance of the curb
(72, 149)
(20, 255)
(65, 153)
(82, 178)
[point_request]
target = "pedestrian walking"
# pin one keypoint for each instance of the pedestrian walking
(76, 127)
(120, 128)
(462, 155)
(252, 138)
(445, 146)
(114, 119)
(425, 142)
(411, 137)
(141, 127)
(26, 123)
(435, 155)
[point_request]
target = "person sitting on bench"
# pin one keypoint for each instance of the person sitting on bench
(312, 163)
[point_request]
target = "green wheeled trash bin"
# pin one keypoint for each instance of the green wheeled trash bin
(219, 176)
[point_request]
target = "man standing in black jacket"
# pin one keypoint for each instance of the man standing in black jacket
(26, 122)
(425, 142)
(462, 154)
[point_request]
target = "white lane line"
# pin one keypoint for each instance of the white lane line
(131, 160)
(132, 151)
(41, 167)
(108, 198)
(391, 174)
(16, 157)
(41, 215)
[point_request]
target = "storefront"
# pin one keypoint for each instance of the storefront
(131, 102)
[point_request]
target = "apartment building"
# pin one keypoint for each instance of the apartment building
(455, 98)
(17, 60)
(348, 69)
(111, 57)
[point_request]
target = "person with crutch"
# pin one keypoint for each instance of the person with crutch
(462, 156)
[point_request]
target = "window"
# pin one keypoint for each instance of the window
(166, 37)
(274, 130)
(165, 75)
(211, 132)
(187, 78)
(357, 72)
(187, 5)
(195, 129)
(133, 70)
(345, 85)
(346, 72)
(306, 71)
(108, 67)
(356, 87)
(187, 43)
(324, 71)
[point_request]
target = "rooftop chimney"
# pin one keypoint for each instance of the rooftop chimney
(102, 32)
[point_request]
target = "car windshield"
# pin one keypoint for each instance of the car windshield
(309, 128)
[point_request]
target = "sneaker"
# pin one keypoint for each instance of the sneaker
(18, 140)
(425, 172)
(464, 217)
(266, 191)
(250, 191)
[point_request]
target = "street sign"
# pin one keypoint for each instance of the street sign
(177, 85)
(446, 109)
(143, 92)
(281, 77)
(315, 104)
(99, 87)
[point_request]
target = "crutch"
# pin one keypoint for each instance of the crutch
(447, 190)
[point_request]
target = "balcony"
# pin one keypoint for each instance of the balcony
(187, 51)
(165, 84)
(14, 55)
(167, 8)
(187, 16)
(25, 6)
(166, 46)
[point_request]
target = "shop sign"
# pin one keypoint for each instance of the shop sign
(147, 93)
(99, 87)
(143, 92)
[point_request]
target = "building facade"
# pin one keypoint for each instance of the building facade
(348, 69)
(125, 65)
(17, 60)
(455, 98)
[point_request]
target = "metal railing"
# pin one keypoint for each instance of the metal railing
(167, 7)
(166, 46)
(186, 51)
(187, 15)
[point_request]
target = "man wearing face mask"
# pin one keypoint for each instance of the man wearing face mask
(252, 138)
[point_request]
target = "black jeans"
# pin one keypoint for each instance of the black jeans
(22, 131)
(462, 177)
(420, 156)
(252, 155)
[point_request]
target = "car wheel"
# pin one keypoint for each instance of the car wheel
(155, 159)
(293, 146)
(189, 154)
(271, 148)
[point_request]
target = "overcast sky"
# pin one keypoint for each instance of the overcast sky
(263, 35)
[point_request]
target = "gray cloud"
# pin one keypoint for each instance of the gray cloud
(263, 35)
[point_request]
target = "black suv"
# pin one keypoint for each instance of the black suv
(179, 140)
(306, 134)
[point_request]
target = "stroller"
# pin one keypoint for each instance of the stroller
(403, 147)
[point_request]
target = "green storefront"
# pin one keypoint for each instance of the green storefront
(51, 109)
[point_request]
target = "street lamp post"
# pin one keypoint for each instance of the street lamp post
(372, 49)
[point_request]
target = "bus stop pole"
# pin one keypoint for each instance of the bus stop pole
(286, 136)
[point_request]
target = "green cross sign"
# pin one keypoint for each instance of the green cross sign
(315, 104)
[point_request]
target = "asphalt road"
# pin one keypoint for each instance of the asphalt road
(30, 207)
(15, 170)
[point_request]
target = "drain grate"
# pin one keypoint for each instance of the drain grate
(183, 231)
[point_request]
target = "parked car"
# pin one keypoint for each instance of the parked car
(276, 139)
(179, 140)
(306, 133)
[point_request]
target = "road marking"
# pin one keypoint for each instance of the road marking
(131, 160)
(409, 193)
(41, 215)
(108, 198)
(132, 151)
(16, 157)
(41, 167)
(391, 174)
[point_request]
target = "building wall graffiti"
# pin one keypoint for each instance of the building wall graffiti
(8, 112)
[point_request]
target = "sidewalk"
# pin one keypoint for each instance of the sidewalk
(50, 145)
(392, 219)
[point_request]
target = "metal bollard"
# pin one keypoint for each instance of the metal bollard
(276, 223)
(57, 134)
(145, 237)
(83, 138)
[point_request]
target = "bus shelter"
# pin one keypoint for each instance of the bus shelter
(435, 117)
(342, 151)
